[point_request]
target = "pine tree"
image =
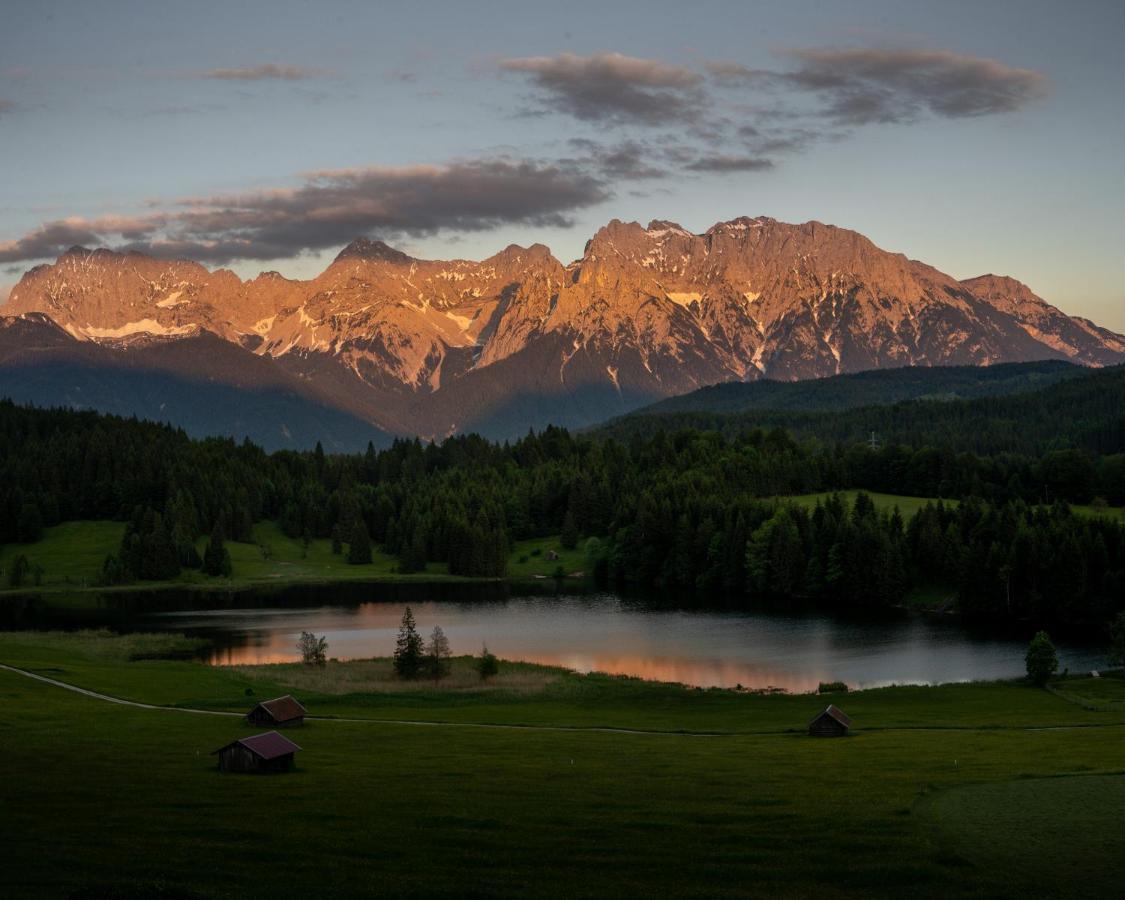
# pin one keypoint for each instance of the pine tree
(569, 537)
(216, 558)
(359, 550)
(408, 648)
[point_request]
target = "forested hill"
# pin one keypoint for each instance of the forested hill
(1084, 410)
(871, 388)
(693, 509)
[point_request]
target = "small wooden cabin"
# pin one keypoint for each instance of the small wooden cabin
(281, 712)
(830, 723)
(269, 752)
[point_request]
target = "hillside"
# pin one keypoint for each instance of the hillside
(1084, 410)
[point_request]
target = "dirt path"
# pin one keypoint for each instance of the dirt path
(109, 698)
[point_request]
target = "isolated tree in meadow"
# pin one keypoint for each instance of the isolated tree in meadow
(359, 550)
(1042, 661)
(438, 655)
(487, 664)
(216, 558)
(314, 650)
(409, 652)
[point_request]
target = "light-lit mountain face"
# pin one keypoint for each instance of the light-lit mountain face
(519, 340)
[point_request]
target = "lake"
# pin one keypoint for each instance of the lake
(597, 632)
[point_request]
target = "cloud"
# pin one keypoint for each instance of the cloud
(6, 106)
(331, 208)
(626, 161)
(721, 162)
(264, 72)
(614, 87)
(866, 86)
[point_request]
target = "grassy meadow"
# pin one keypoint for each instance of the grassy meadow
(991, 789)
(72, 554)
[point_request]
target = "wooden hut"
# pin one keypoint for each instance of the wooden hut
(269, 752)
(830, 723)
(281, 712)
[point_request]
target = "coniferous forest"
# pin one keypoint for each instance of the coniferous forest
(697, 509)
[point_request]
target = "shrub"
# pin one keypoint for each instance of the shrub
(487, 664)
(314, 650)
(1042, 661)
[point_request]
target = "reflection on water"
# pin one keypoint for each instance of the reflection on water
(608, 634)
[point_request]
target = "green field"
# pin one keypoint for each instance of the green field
(908, 506)
(714, 793)
(72, 554)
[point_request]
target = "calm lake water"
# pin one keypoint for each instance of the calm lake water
(601, 632)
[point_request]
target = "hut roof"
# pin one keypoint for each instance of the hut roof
(283, 708)
(835, 714)
(269, 745)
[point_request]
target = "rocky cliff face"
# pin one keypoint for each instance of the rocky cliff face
(519, 339)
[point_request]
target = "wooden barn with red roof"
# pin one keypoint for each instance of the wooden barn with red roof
(281, 712)
(830, 723)
(269, 752)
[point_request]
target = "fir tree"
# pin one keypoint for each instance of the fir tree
(216, 558)
(408, 659)
(359, 549)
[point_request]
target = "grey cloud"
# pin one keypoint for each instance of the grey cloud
(626, 161)
(6, 106)
(614, 87)
(331, 208)
(264, 72)
(865, 86)
(720, 162)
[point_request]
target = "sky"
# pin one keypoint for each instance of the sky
(976, 136)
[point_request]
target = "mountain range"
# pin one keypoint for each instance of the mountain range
(383, 344)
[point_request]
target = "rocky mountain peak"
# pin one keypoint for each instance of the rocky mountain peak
(365, 248)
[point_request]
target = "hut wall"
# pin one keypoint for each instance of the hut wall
(239, 759)
(826, 726)
(262, 717)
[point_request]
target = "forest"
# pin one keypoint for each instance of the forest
(950, 411)
(703, 510)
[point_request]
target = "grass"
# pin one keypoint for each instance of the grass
(908, 506)
(1038, 832)
(377, 676)
(1106, 692)
(531, 558)
(72, 554)
(100, 797)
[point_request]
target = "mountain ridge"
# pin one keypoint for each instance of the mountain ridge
(519, 339)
